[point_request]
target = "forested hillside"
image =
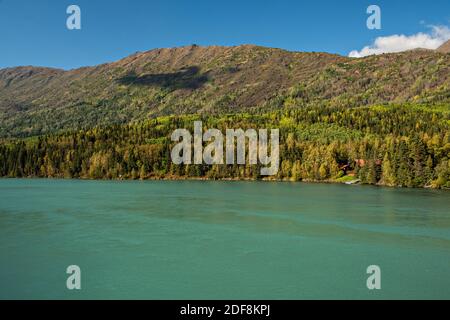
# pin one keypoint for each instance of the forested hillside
(212, 80)
(407, 145)
(380, 119)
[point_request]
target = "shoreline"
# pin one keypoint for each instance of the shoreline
(179, 178)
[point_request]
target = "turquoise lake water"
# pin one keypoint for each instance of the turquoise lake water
(221, 240)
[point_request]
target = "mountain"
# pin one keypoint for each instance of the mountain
(210, 80)
(445, 48)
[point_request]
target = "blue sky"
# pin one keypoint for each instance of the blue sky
(33, 32)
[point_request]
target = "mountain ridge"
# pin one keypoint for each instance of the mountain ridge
(444, 48)
(214, 79)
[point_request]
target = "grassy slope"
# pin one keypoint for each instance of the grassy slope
(212, 80)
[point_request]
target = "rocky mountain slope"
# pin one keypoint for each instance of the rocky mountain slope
(208, 80)
(445, 48)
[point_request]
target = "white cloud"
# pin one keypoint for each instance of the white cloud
(397, 43)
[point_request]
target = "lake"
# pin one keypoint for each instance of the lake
(221, 240)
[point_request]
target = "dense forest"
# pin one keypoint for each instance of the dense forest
(394, 145)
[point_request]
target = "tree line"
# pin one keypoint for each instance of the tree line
(392, 145)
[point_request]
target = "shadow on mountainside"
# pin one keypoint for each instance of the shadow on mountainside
(186, 78)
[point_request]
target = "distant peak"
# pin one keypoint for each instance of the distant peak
(445, 48)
